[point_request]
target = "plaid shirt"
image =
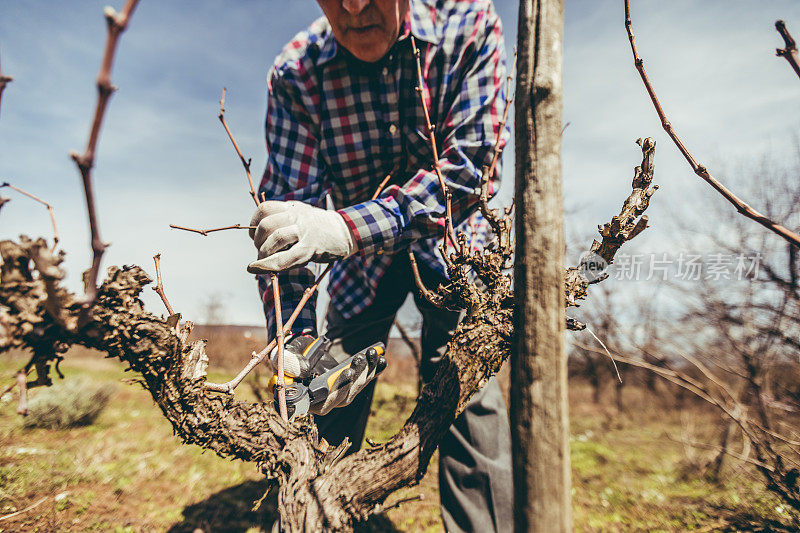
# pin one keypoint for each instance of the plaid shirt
(337, 127)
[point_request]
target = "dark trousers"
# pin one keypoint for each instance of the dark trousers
(475, 485)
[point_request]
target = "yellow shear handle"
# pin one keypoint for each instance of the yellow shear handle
(287, 380)
(333, 377)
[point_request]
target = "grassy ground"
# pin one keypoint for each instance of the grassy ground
(127, 472)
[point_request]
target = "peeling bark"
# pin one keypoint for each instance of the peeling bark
(320, 489)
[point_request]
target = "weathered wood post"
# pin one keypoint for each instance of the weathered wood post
(539, 417)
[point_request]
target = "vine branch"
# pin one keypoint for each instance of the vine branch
(49, 207)
(276, 297)
(497, 148)
(4, 80)
(22, 385)
(742, 207)
(258, 357)
(420, 88)
(789, 51)
(159, 288)
(205, 232)
(320, 488)
(381, 185)
(245, 162)
(281, 383)
(431, 296)
(117, 23)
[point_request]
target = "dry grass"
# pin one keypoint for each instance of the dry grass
(70, 403)
(127, 472)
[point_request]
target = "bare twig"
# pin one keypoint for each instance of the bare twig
(712, 447)
(4, 80)
(117, 22)
(680, 379)
(699, 169)
(276, 300)
(771, 463)
(205, 232)
(501, 224)
(721, 387)
(49, 207)
(159, 288)
(410, 343)
(789, 51)
(280, 385)
(428, 294)
(245, 162)
(420, 88)
(24, 370)
(28, 508)
(381, 186)
(415, 352)
(21, 380)
(497, 147)
(259, 357)
(22, 385)
(607, 352)
(401, 501)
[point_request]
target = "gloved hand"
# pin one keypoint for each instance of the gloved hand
(293, 233)
(300, 354)
(351, 380)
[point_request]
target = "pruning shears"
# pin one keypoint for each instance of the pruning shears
(326, 375)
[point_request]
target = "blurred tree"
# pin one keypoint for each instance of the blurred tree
(213, 309)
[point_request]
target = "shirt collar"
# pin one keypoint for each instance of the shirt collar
(420, 22)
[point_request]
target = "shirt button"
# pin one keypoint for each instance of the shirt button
(385, 71)
(392, 129)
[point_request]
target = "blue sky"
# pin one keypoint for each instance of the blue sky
(163, 157)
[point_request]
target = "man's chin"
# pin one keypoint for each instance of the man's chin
(367, 50)
(368, 58)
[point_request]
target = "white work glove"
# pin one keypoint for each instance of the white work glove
(292, 233)
(350, 382)
(344, 384)
(294, 363)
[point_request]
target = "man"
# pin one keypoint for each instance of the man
(343, 114)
